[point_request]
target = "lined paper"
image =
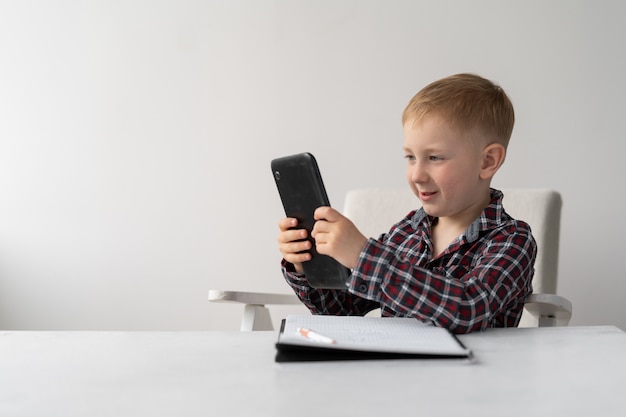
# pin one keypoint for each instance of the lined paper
(376, 334)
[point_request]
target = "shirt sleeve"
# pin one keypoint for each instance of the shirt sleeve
(326, 301)
(462, 298)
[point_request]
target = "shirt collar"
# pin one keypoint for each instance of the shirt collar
(492, 216)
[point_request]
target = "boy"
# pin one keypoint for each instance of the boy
(460, 261)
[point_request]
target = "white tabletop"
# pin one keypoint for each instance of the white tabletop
(568, 371)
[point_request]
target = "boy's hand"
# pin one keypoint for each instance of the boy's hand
(292, 243)
(336, 236)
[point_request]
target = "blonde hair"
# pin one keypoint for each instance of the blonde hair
(469, 103)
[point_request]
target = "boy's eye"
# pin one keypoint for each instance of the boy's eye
(435, 158)
(409, 158)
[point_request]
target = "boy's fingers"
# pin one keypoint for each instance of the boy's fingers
(326, 213)
(298, 258)
(287, 223)
(296, 247)
(287, 236)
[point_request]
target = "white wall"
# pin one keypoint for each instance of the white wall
(136, 136)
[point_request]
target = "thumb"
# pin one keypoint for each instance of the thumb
(327, 213)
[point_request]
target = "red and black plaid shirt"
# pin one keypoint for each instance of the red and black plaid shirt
(481, 280)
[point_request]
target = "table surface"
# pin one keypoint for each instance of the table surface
(563, 371)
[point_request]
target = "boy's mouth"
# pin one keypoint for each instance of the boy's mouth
(425, 195)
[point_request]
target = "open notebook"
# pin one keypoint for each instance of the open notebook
(310, 337)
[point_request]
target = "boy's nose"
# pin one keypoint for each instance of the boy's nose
(418, 174)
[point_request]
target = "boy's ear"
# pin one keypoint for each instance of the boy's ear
(493, 158)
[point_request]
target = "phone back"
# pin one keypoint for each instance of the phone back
(302, 191)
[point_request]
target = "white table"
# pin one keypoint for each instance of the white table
(568, 371)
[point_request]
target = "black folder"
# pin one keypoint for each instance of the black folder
(328, 338)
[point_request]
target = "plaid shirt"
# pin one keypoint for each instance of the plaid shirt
(481, 280)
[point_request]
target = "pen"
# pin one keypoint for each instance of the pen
(311, 335)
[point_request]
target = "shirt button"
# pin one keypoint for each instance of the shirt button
(363, 288)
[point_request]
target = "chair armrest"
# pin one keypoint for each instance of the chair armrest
(550, 309)
(255, 315)
(254, 298)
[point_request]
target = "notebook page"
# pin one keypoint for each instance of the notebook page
(384, 334)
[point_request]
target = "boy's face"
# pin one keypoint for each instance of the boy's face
(444, 169)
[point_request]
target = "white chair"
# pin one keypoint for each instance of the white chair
(374, 211)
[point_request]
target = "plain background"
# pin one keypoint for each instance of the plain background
(136, 137)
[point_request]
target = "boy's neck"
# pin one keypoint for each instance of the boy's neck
(447, 229)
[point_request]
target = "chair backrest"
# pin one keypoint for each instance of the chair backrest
(374, 211)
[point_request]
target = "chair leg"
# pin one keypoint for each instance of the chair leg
(547, 321)
(256, 317)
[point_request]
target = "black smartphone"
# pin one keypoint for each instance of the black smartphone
(302, 191)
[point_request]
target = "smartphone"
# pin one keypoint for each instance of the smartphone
(302, 191)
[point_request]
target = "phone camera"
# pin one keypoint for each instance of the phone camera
(277, 175)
